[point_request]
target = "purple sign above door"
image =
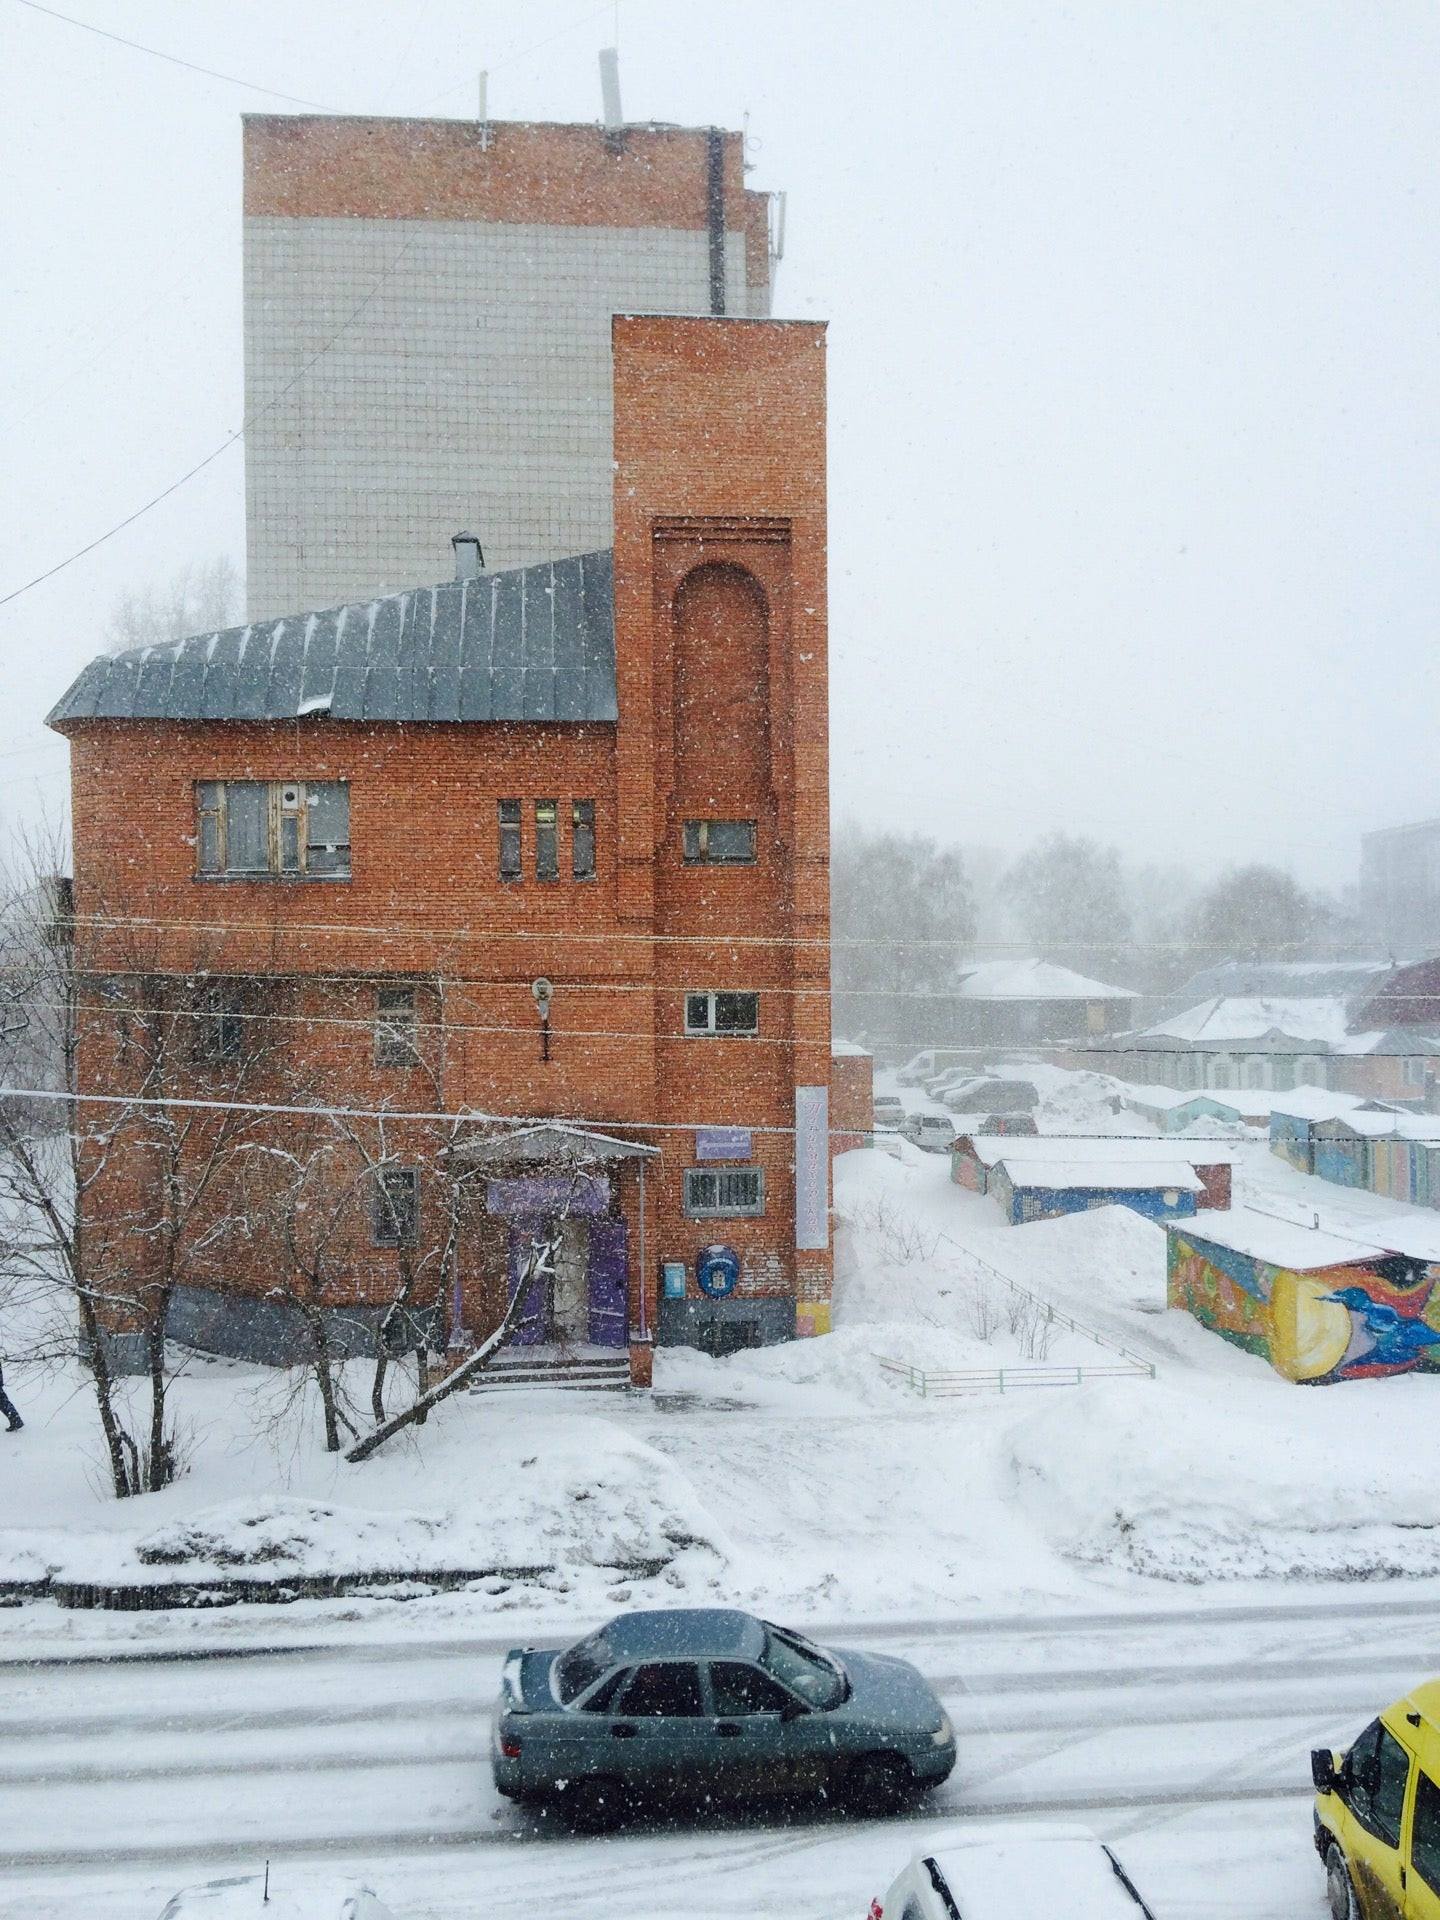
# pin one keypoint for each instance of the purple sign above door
(549, 1194)
(722, 1143)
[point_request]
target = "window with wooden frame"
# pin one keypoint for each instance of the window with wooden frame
(396, 1028)
(272, 829)
(719, 843)
(582, 839)
(395, 1207)
(509, 820)
(547, 839)
(722, 1013)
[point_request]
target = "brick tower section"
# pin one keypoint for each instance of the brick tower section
(720, 615)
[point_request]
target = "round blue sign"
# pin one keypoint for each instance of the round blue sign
(718, 1271)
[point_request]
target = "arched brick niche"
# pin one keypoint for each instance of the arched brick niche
(721, 641)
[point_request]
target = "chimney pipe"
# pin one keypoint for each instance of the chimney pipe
(468, 557)
(610, 88)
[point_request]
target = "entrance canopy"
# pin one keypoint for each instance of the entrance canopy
(550, 1143)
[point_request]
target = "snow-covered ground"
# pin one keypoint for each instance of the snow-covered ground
(808, 1482)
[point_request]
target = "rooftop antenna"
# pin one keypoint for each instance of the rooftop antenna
(610, 89)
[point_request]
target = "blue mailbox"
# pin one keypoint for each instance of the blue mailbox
(718, 1271)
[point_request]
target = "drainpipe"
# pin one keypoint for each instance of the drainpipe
(715, 215)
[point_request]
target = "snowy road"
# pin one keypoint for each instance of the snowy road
(377, 1752)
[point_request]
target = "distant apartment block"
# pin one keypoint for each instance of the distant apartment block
(1400, 887)
(427, 315)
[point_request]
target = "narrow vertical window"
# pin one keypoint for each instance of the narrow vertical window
(509, 839)
(396, 1027)
(395, 1215)
(291, 801)
(582, 839)
(210, 799)
(327, 827)
(547, 839)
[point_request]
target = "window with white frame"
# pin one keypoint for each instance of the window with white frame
(722, 1013)
(1412, 1071)
(272, 829)
(716, 1193)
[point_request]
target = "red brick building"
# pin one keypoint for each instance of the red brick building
(363, 835)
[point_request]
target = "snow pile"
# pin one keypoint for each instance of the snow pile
(540, 1494)
(1109, 1255)
(1267, 1481)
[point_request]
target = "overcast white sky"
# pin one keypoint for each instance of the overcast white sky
(1134, 391)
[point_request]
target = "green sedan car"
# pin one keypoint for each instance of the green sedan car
(709, 1704)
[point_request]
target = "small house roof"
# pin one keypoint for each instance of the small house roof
(533, 643)
(1234, 1018)
(1279, 1243)
(1033, 980)
(552, 1141)
(1097, 1176)
(1314, 1103)
(1112, 1149)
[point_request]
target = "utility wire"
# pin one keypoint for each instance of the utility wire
(225, 445)
(174, 60)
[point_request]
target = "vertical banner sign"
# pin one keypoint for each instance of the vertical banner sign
(812, 1169)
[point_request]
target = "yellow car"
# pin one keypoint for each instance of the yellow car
(1377, 1814)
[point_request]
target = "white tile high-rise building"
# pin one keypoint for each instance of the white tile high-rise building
(427, 332)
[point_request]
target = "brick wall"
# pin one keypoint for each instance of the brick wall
(721, 655)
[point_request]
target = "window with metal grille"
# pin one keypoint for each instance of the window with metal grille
(219, 1025)
(719, 843)
(547, 840)
(582, 839)
(722, 1013)
(395, 1208)
(713, 1193)
(258, 829)
(509, 814)
(396, 1027)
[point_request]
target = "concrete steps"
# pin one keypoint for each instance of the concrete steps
(586, 1369)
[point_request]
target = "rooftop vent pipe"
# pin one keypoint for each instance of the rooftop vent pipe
(468, 557)
(610, 88)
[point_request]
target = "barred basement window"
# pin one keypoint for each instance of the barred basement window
(724, 1193)
(395, 1207)
(719, 843)
(547, 840)
(510, 868)
(582, 839)
(253, 829)
(722, 1013)
(396, 1027)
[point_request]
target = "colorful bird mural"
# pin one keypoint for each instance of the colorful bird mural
(1386, 1340)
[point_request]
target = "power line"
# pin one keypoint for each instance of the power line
(224, 446)
(174, 59)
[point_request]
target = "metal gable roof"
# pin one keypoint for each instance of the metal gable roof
(536, 643)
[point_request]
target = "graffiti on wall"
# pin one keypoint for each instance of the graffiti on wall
(1358, 1322)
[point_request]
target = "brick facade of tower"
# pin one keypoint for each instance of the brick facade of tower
(720, 657)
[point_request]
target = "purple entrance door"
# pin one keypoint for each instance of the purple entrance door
(609, 1283)
(531, 1329)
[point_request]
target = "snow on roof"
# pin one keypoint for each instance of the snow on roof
(1315, 1022)
(1279, 1243)
(1130, 1149)
(1095, 1176)
(1166, 1099)
(847, 1050)
(1033, 980)
(1314, 1103)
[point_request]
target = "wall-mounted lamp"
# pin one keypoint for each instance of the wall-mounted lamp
(544, 993)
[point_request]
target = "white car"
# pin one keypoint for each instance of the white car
(1013, 1873)
(932, 1131)
(277, 1896)
(888, 1112)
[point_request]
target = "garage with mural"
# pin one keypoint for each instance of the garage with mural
(1318, 1306)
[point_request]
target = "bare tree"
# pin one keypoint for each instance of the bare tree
(903, 914)
(198, 598)
(135, 1194)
